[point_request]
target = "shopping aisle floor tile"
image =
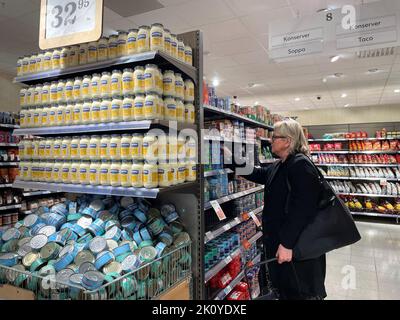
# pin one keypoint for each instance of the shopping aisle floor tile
(369, 269)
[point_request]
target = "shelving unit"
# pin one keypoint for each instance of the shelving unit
(8, 207)
(361, 179)
(233, 196)
(376, 165)
(355, 152)
(368, 195)
(9, 164)
(352, 139)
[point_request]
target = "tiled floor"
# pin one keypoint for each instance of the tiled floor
(369, 269)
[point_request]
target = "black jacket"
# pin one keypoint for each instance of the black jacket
(302, 206)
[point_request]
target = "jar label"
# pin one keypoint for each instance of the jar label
(125, 149)
(127, 83)
(95, 114)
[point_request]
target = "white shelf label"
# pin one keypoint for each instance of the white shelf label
(218, 210)
(256, 220)
(209, 235)
(227, 260)
(226, 227)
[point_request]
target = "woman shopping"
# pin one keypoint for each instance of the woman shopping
(287, 213)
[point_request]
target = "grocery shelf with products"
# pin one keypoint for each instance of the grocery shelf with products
(362, 164)
(85, 135)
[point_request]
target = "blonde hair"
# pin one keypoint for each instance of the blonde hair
(292, 129)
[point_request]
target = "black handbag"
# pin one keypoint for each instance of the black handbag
(332, 228)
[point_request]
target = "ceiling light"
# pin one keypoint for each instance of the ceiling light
(397, 91)
(344, 95)
(256, 103)
(215, 82)
(346, 105)
(335, 58)
(297, 99)
(324, 80)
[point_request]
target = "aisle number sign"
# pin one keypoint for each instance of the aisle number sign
(68, 22)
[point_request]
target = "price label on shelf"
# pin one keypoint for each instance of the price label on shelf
(209, 235)
(226, 227)
(227, 260)
(254, 217)
(383, 182)
(237, 221)
(218, 210)
(67, 22)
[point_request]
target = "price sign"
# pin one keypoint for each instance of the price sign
(218, 210)
(68, 22)
(254, 217)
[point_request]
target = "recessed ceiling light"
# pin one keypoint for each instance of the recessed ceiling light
(344, 95)
(397, 91)
(297, 99)
(346, 105)
(215, 82)
(256, 103)
(324, 80)
(335, 58)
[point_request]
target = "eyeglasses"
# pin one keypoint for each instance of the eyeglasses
(278, 137)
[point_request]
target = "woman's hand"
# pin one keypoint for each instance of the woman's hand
(283, 254)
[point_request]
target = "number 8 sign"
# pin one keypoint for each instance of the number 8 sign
(68, 22)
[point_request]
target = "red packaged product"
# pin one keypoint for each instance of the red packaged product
(385, 145)
(359, 146)
(338, 146)
(392, 159)
(237, 296)
(368, 145)
(364, 135)
(366, 158)
(376, 146)
(393, 145)
(242, 287)
(358, 134)
(223, 281)
(353, 135)
(398, 158)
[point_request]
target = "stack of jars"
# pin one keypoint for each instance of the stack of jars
(148, 161)
(122, 44)
(109, 97)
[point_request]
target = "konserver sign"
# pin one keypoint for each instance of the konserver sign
(296, 37)
(368, 25)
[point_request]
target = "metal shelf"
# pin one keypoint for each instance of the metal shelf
(38, 193)
(207, 205)
(103, 127)
(229, 225)
(375, 214)
(103, 190)
(361, 178)
(8, 144)
(355, 165)
(219, 266)
(224, 292)
(222, 139)
(351, 139)
(14, 206)
(217, 172)
(9, 126)
(354, 152)
(122, 62)
(235, 116)
(367, 195)
(8, 164)
(7, 185)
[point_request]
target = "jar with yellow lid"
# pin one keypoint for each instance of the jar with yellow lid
(126, 147)
(66, 148)
(92, 52)
(180, 110)
(116, 82)
(25, 64)
(65, 172)
(136, 150)
(95, 86)
(57, 148)
(74, 56)
(86, 106)
(37, 95)
(85, 88)
(179, 86)
(19, 66)
(181, 50)
(30, 96)
(69, 113)
(37, 112)
(174, 46)
(35, 149)
(170, 108)
(167, 41)
(150, 78)
(61, 91)
(95, 111)
(160, 108)
(77, 117)
(32, 64)
(105, 110)
(113, 46)
(137, 174)
(115, 147)
(29, 118)
(64, 57)
(116, 109)
(150, 106)
(131, 41)
(74, 151)
(127, 81)
(57, 172)
(34, 166)
(22, 117)
(105, 172)
(138, 80)
(191, 171)
(189, 90)
(163, 174)
(22, 97)
(69, 88)
(139, 106)
(77, 90)
(44, 119)
(189, 112)
(169, 83)
(115, 179)
(55, 59)
(157, 37)
(143, 39)
(102, 49)
(74, 171)
(48, 153)
(83, 53)
(84, 148)
(53, 114)
(105, 85)
(125, 173)
(188, 55)
(45, 96)
(128, 112)
(94, 172)
(84, 172)
(150, 174)
(150, 147)
(94, 147)
(53, 91)
(122, 49)
(39, 61)
(191, 149)
(105, 146)
(47, 63)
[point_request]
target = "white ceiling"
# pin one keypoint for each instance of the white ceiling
(236, 39)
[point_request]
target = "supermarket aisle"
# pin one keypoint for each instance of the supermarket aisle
(376, 262)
